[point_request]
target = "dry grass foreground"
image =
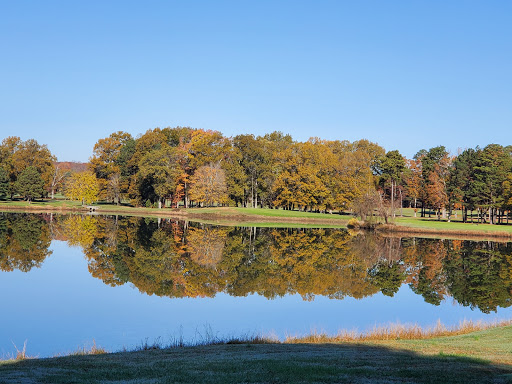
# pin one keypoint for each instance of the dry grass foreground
(483, 356)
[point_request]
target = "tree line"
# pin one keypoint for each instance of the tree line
(183, 167)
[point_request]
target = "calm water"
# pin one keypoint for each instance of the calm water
(69, 281)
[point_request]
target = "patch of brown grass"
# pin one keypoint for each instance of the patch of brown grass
(92, 350)
(397, 331)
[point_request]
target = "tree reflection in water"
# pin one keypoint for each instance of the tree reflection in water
(24, 241)
(176, 259)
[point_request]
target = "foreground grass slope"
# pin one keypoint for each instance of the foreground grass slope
(479, 357)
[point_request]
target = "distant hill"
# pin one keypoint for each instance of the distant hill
(72, 166)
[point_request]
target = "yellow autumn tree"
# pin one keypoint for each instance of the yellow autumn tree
(83, 186)
(208, 185)
(80, 231)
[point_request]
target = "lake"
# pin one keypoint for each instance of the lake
(69, 281)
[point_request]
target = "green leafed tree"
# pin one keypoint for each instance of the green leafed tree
(490, 169)
(17, 155)
(158, 175)
(30, 184)
(392, 168)
(4, 183)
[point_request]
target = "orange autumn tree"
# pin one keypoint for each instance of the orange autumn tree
(436, 190)
(206, 245)
(412, 178)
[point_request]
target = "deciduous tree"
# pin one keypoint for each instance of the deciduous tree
(4, 183)
(17, 155)
(83, 186)
(208, 185)
(159, 174)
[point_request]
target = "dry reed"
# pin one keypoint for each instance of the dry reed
(394, 331)
(93, 350)
(398, 331)
(21, 354)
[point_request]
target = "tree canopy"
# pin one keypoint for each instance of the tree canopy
(197, 167)
(82, 186)
(30, 184)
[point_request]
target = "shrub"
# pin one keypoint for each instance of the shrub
(353, 223)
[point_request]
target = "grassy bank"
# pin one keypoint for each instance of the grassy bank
(455, 225)
(483, 356)
(221, 215)
(406, 224)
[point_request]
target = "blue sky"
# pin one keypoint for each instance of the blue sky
(405, 74)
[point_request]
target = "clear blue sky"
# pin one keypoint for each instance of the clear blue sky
(405, 74)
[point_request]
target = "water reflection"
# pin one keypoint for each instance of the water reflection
(173, 259)
(24, 241)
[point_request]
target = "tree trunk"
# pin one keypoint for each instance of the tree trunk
(401, 205)
(185, 195)
(252, 191)
(256, 195)
(392, 199)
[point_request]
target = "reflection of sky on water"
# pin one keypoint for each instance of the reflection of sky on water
(60, 307)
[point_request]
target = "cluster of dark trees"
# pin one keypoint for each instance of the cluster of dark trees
(29, 170)
(481, 179)
(171, 259)
(26, 168)
(186, 166)
(475, 180)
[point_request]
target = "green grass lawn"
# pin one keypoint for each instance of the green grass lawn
(479, 357)
(40, 203)
(264, 217)
(456, 224)
(271, 213)
(221, 215)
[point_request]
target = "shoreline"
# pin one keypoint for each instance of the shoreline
(222, 216)
(387, 229)
(230, 216)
